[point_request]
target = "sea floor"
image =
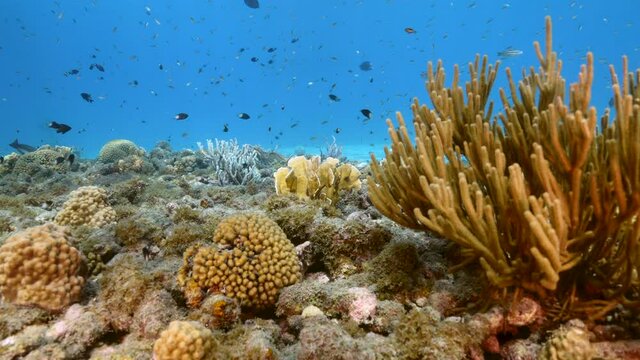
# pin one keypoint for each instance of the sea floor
(367, 288)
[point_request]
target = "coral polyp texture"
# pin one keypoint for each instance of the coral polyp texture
(543, 199)
(39, 267)
(87, 205)
(313, 179)
(185, 340)
(119, 149)
(251, 260)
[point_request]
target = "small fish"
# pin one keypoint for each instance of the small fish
(72, 72)
(334, 98)
(97, 66)
(160, 67)
(409, 30)
(181, 116)
(133, 83)
(366, 113)
(254, 59)
(244, 116)
(271, 49)
(509, 53)
(337, 130)
(22, 148)
(87, 97)
(252, 4)
(60, 160)
(611, 102)
(366, 66)
(225, 128)
(1, 159)
(60, 128)
(295, 40)
(71, 158)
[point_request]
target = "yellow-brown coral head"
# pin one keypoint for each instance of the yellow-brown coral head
(185, 340)
(87, 205)
(251, 261)
(39, 267)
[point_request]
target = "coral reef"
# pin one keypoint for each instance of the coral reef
(39, 267)
(87, 205)
(232, 163)
(541, 199)
(251, 260)
(313, 179)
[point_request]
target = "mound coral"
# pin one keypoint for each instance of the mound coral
(87, 205)
(116, 150)
(251, 260)
(544, 200)
(39, 267)
(310, 178)
(185, 340)
(45, 158)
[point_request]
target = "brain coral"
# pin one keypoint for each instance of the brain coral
(251, 260)
(41, 159)
(87, 205)
(116, 150)
(39, 267)
(188, 340)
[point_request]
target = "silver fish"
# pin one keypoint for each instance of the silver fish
(509, 52)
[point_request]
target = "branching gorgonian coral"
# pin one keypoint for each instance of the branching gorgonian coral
(233, 164)
(542, 198)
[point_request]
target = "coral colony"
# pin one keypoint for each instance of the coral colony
(511, 236)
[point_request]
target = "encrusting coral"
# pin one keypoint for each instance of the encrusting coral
(310, 178)
(185, 340)
(39, 267)
(87, 205)
(544, 200)
(251, 260)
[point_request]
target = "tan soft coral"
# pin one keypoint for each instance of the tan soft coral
(39, 267)
(311, 178)
(86, 206)
(251, 261)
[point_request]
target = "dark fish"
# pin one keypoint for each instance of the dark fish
(611, 102)
(254, 59)
(225, 128)
(60, 128)
(72, 72)
(87, 97)
(160, 67)
(71, 159)
(22, 148)
(409, 30)
(181, 116)
(294, 40)
(97, 66)
(244, 116)
(252, 3)
(60, 160)
(334, 97)
(366, 113)
(337, 130)
(366, 66)
(134, 83)
(270, 50)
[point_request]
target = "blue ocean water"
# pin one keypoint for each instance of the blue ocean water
(278, 63)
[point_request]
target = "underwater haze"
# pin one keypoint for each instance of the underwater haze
(287, 75)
